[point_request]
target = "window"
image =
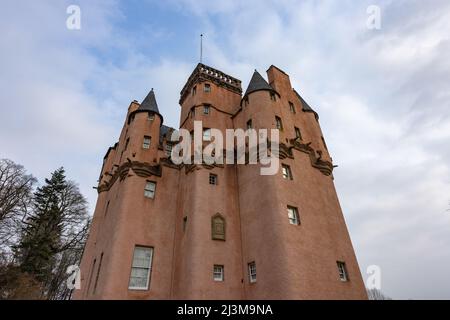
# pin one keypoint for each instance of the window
(98, 273)
(107, 207)
(90, 276)
(287, 174)
(205, 109)
(212, 179)
(207, 135)
(252, 272)
(218, 227)
(184, 224)
(343, 276)
(272, 96)
(194, 90)
(207, 87)
(168, 150)
(193, 112)
(291, 107)
(293, 215)
(324, 144)
(146, 143)
(141, 268)
(149, 190)
(298, 134)
(151, 116)
(279, 124)
(218, 273)
(249, 124)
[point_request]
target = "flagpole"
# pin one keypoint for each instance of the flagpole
(201, 48)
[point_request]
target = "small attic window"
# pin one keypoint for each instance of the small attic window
(278, 123)
(291, 107)
(151, 117)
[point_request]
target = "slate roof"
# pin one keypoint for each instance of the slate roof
(305, 105)
(257, 83)
(148, 105)
(165, 131)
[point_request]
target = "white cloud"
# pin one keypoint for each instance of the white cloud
(381, 95)
(383, 103)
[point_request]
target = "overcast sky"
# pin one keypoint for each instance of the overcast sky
(382, 95)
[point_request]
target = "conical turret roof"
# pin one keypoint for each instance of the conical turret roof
(148, 105)
(257, 83)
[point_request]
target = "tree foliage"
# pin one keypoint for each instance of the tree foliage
(51, 227)
(16, 188)
(375, 294)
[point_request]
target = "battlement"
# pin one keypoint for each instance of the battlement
(205, 73)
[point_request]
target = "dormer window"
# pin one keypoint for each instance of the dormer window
(207, 87)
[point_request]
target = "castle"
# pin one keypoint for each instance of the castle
(199, 231)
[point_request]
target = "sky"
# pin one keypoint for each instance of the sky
(382, 96)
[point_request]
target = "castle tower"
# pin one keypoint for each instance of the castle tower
(134, 217)
(223, 231)
(208, 196)
(293, 231)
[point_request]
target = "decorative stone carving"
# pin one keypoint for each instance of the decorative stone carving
(218, 227)
(139, 168)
